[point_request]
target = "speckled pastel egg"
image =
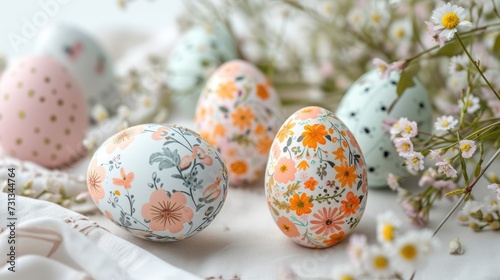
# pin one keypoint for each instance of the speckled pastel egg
(161, 183)
(193, 59)
(364, 108)
(239, 112)
(85, 59)
(43, 115)
(316, 181)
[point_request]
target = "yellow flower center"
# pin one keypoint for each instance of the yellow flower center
(400, 33)
(444, 123)
(117, 192)
(450, 20)
(465, 147)
(380, 262)
(382, 68)
(376, 17)
(346, 277)
(408, 128)
(406, 147)
(283, 168)
(415, 161)
(408, 252)
(388, 232)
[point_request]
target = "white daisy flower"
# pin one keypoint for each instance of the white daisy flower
(403, 145)
(468, 147)
(357, 244)
(378, 18)
(448, 19)
(399, 126)
(457, 82)
(473, 206)
(458, 64)
(471, 103)
(99, 113)
(495, 188)
(392, 181)
(345, 272)
(435, 155)
(387, 225)
(356, 18)
(383, 68)
(377, 262)
(414, 161)
(411, 250)
(446, 169)
(400, 30)
(410, 129)
(444, 123)
(492, 203)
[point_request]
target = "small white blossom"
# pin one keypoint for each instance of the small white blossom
(471, 104)
(345, 271)
(448, 18)
(434, 155)
(412, 249)
(99, 113)
(468, 147)
(445, 123)
(356, 18)
(357, 244)
(399, 126)
(414, 161)
(446, 169)
(392, 181)
(455, 247)
(383, 68)
(404, 146)
(377, 262)
(456, 83)
(458, 65)
(410, 129)
(387, 226)
(495, 188)
(492, 203)
(472, 206)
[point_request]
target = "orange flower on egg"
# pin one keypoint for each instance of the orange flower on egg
(226, 90)
(262, 92)
(287, 227)
(334, 238)
(238, 167)
(346, 174)
(242, 117)
(300, 204)
(264, 144)
(350, 205)
(285, 131)
(311, 183)
(339, 154)
(314, 135)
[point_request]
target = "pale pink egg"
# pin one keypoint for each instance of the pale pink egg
(43, 115)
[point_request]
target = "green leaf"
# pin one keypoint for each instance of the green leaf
(496, 46)
(478, 166)
(453, 48)
(455, 192)
(464, 170)
(406, 79)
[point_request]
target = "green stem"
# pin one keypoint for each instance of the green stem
(477, 66)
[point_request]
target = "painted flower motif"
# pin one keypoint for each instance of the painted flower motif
(123, 138)
(300, 204)
(238, 167)
(200, 154)
(303, 165)
(242, 117)
(186, 162)
(468, 147)
(219, 130)
(226, 90)
(328, 220)
(161, 134)
(263, 144)
(314, 135)
(284, 170)
(262, 92)
(125, 180)
(448, 18)
(311, 183)
(285, 131)
(167, 213)
(334, 238)
(339, 154)
(287, 227)
(95, 176)
(309, 113)
(212, 192)
(350, 205)
(445, 123)
(346, 174)
(321, 171)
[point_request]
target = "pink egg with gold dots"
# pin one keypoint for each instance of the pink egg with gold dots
(43, 115)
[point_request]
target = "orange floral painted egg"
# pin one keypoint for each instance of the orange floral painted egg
(161, 183)
(239, 113)
(316, 181)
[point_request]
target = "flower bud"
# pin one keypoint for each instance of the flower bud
(495, 225)
(488, 218)
(475, 227)
(477, 215)
(455, 247)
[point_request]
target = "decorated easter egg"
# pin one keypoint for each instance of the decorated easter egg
(193, 59)
(364, 108)
(316, 181)
(239, 112)
(84, 58)
(161, 183)
(43, 116)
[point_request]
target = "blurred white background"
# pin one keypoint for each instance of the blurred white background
(21, 21)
